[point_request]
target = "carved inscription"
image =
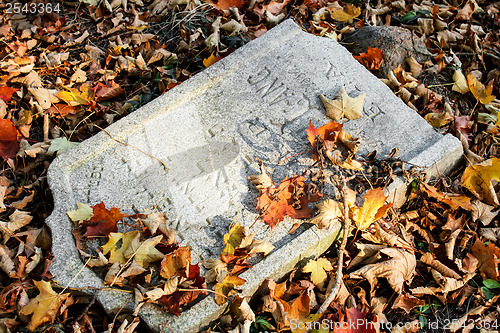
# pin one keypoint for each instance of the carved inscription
(94, 179)
(268, 86)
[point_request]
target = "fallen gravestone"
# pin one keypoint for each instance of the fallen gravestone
(209, 131)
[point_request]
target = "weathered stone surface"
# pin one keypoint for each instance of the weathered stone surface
(256, 103)
(397, 44)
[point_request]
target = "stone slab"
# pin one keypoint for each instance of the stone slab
(255, 103)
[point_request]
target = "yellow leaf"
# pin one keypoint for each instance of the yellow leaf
(233, 239)
(211, 60)
(477, 179)
(344, 106)
(318, 269)
(117, 254)
(438, 119)
(45, 306)
(82, 213)
(75, 97)
(373, 208)
(480, 92)
(460, 83)
(144, 252)
(329, 212)
(227, 287)
(343, 15)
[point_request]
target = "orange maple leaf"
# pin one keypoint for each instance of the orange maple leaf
(226, 4)
(9, 146)
(373, 208)
(329, 131)
(103, 222)
(289, 199)
(371, 59)
(6, 93)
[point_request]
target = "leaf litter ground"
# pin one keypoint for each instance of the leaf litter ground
(434, 262)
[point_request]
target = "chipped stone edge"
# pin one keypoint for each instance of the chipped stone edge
(436, 161)
(311, 243)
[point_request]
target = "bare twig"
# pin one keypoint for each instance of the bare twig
(340, 262)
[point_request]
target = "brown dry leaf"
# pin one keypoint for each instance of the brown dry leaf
(481, 93)
(259, 246)
(465, 13)
(34, 85)
(344, 105)
(168, 289)
(176, 263)
(373, 208)
(477, 179)
(460, 82)
(429, 260)
(438, 119)
(217, 270)
(389, 238)
(153, 221)
(6, 263)
(329, 212)
(488, 260)
(144, 252)
(451, 199)
(262, 180)
(18, 219)
(407, 302)
(98, 262)
(45, 307)
(318, 269)
(399, 269)
(368, 254)
(492, 234)
(20, 204)
(483, 212)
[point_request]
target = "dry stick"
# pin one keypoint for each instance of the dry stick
(340, 261)
(136, 148)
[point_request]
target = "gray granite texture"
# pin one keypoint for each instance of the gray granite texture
(255, 103)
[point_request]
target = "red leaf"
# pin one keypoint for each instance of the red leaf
(371, 59)
(179, 298)
(9, 146)
(108, 91)
(355, 323)
(103, 222)
(6, 93)
(61, 110)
